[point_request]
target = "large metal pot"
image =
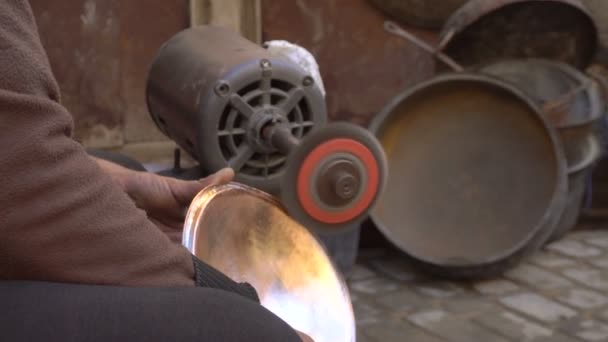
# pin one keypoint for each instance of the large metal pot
(486, 31)
(599, 11)
(578, 177)
(568, 97)
(478, 175)
(421, 13)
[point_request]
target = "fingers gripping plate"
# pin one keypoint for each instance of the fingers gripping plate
(334, 177)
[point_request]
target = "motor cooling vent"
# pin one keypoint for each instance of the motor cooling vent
(237, 136)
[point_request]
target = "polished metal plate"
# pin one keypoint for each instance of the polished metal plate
(246, 234)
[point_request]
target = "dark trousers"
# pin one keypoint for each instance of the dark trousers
(60, 312)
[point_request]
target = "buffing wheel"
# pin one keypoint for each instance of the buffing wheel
(334, 177)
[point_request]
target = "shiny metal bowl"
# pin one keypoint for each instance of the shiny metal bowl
(246, 234)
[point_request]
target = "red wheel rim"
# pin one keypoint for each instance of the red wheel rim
(318, 154)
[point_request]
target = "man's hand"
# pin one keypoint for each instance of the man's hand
(164, 199)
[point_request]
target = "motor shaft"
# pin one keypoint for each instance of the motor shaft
(338, 181)
(279, 136)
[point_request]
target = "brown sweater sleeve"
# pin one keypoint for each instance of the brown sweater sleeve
(61, 218)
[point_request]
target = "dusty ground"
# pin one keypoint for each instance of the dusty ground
(560, 294)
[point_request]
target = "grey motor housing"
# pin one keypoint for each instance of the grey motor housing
(213, 92)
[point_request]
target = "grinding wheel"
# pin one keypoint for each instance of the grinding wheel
(478, 176)
(334, 177)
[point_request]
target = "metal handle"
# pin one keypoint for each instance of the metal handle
(557, 105)
(595, 73)
(594, 152)
(393, 28)
(279, 136)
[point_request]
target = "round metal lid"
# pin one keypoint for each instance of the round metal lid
(567, 96)
(478, 177)
(247, 235)
(485, 31)
(569, 99)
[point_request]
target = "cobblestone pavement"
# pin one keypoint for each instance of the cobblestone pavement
(558, 295)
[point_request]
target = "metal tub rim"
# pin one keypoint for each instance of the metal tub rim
(459, 22)
(593, 91)
(545, 225)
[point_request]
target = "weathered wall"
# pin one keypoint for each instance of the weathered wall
(240, 15)
(100, 51)
(363, 66)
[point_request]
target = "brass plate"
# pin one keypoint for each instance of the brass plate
(247, 235)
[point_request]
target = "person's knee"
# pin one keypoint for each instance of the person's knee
(246, 317)
(98, 313)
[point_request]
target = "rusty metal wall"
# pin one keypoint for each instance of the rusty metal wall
(100, 51)
(363, 66)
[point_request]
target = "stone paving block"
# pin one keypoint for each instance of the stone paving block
(452, 328)
(551, 260)
(354, 297)
(588, 330)
(470, 307)
(538, 307)
(574, 249)
(557, 337)
(496, 287)
(585, 234)
(360, 272)
(601, 262)
(598, 241)
(364, 338)
(374, 286)
(596, 279)
(362, 334)
(439, 289)
(514, 326)
(366, 314)
(397, 269)
(603, 315)
(583, 299)
(538, 278)
(404, 299)
(398, 332)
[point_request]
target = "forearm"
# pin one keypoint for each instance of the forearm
(61, 217)
(120, 175)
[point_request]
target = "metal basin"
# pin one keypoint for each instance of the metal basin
(578, 175)
(573, 103)
(247, 235)
(568, 96)
(487, 31)
(478, 176)
(421, 13)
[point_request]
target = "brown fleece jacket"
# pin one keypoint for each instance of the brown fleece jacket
(61, 218)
